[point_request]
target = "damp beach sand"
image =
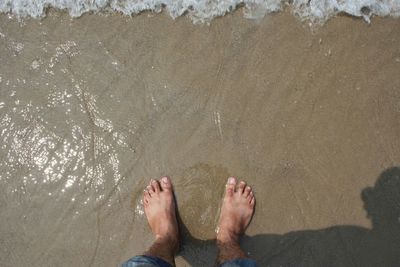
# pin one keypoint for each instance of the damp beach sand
(93, 107)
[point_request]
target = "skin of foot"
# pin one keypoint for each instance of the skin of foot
(160, 210)
(236, 213)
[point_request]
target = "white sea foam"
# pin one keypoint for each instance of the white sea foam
(206, 10)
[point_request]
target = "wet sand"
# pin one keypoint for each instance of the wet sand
(92, 108)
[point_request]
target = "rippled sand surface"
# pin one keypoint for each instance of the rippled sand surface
(92, 108)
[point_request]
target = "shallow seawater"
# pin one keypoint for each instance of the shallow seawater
(92, 108)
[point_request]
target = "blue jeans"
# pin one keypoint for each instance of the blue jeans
(146, 261)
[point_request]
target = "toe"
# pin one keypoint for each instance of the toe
(253, 201)
(247, 191)
(166, 183)
(146, 196)
(242, 186)
(230, 186)
(150, 190)
(156, 186)
(251, 195)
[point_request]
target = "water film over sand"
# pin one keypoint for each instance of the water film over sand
(92, 108)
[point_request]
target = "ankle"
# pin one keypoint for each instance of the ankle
(168, 240)
(227, 237)
(229, 249)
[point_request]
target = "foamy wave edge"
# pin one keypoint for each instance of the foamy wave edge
(201, 11)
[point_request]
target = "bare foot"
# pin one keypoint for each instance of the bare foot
(236, 212)
(159, 206)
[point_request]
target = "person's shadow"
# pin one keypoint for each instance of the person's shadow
(343, 245)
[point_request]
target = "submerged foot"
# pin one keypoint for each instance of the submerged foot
(159, 207)
(236, 212)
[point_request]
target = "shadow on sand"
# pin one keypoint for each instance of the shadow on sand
(343, 245)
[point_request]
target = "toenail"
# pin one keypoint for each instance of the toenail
(164, 180)
(231, 180)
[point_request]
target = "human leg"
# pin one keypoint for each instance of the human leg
(236, 213)
(159, 207)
